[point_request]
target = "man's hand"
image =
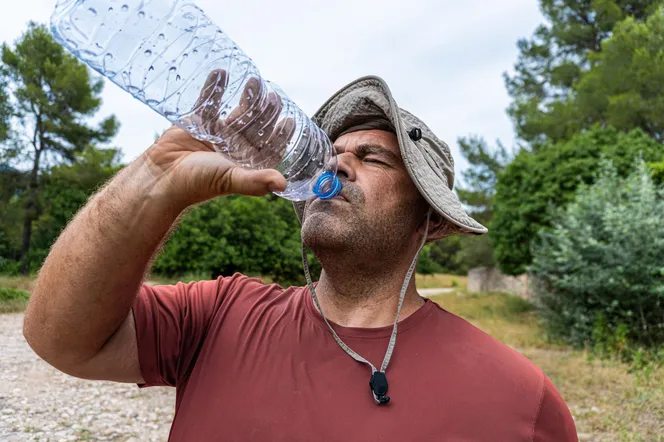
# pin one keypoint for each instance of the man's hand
(190, 171)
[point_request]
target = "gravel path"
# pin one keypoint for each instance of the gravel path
(432, 292)
(38, 403)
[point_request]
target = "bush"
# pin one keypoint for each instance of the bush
(13, 300)
(551, 176)
(599, 270)
(426, 264)
(259, 236)
(7, 295)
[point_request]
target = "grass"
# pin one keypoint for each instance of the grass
(13, 300)
(14, 293)
(25, 283)
(609, 400)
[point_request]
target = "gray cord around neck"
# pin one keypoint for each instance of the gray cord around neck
(393, 339)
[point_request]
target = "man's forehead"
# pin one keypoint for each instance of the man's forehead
(382, 138)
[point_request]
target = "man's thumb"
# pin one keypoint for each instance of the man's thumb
(255, 182)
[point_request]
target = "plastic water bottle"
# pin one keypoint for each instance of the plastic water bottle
(172, 57)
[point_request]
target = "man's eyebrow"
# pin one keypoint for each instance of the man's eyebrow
(365, 149)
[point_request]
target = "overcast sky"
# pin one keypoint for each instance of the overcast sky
(442, 59)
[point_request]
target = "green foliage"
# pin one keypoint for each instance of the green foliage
(461, 253)
(481, 175)
(560, 55)
(65, 189)
(534, 181)
(237, 234)
(599, 268)
(12, 183)
(457, 254)
(623, 88)
(52, 95)
(7, 295)
(13, 300)
(657, 170)
(426, 264)
(5, 110)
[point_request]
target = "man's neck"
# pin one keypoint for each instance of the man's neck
(359, 299)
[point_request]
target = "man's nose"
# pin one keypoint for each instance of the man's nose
(346, 165)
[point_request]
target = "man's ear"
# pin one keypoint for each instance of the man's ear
(439, 227)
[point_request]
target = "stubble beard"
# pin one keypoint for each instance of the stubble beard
(345, 233)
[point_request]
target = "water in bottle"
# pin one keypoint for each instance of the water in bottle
(172, 57)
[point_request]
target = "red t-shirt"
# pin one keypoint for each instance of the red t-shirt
(256, 362)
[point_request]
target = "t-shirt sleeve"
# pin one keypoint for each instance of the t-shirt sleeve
(554, 422)
(171, 324)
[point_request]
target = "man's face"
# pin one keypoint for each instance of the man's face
(379, 208)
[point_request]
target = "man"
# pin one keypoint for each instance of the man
(256, 362)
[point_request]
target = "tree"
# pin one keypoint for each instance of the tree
(624, 88)
(426, 264)
(460, 254)
(481, 175)
(534, 181)
(53, 96)
(65, 189)
(599, 267)
(5, 111)
(11, 185)
(556, 57)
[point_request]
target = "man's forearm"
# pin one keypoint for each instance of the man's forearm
(94, 270)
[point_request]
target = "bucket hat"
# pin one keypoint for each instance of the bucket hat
(367, 103)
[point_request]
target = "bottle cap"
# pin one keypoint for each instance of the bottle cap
(327, 186)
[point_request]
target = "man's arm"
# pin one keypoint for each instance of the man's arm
(79, 316)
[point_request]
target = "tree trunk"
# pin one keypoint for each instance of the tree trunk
(30, 214)
(27, 233)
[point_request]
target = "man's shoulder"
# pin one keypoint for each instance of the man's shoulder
(243, 293)
(483, 352)
(505, 382)
(239, 283)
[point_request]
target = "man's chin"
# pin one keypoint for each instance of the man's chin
(322, 227)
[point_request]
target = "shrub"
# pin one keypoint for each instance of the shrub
(250, 235)
(551, 176)
(599, 270)
(7, 295)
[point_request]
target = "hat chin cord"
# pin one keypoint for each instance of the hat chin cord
(378, 382)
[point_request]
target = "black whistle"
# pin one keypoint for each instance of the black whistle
(378, 385)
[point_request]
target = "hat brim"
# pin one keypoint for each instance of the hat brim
(370, 97)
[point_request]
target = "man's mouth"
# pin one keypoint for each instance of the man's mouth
(336, 199)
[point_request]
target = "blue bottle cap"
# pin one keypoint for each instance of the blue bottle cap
(327, 186)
